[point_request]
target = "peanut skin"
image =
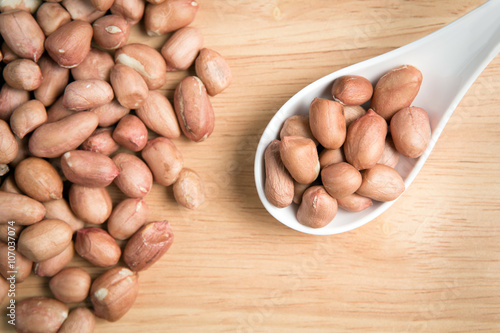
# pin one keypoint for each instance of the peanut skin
(279, 188)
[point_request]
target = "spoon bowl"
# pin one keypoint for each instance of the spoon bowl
(450, 60)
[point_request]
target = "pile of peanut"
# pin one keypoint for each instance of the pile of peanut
(67, 132)
(358, 149)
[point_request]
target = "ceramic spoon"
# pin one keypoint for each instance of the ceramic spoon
(450, 60)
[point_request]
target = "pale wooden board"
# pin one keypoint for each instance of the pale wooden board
(429, 264)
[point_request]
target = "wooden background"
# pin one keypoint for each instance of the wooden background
(431, 263)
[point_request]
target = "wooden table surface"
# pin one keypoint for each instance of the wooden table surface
(431, 263)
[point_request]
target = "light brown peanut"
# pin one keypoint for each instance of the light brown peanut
(194, 110)
(7, 231)
(134, 179)
(88, 168)
(54, 265)
(148, 245)
(113, 293)
(27, 117)
(169, 16)
(390, 156)
(7, 54)
(330, 156)
(20, 208)
(111, 32)
(396, 90)
(127, 217)
(39, 179)
(101, 141)
(57, 111)
(60, 209)
(352, 90)
(97, 246)
(40, 314)
(80, 320)
(82, 10)
(317, 208)
(411, 131)
(50, 16)
(213, 70)
(96, 65)
(71, 285)
(182, 48)
(55, 79)
(131, 10)
(340, 179)
(70, 43)
(352, 112)
(131, 133)
(297, 125)
(87, 94)
(10, 99)
(44, 240)
(22, 267)
(146, 61)
(159, 116)
(300, 157)
(102, 5)
(327, 122)
(164, 160)
(27, 41)
(188, 189)
(278, 186)
(381, 183)
(354, 202)
(23, 74)
(298, 191)
(9, 147)
(54, 139)
(91, 204)
(130, 88)
(365, 140)
(110, 113)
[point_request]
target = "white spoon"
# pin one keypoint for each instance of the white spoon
(450, 60)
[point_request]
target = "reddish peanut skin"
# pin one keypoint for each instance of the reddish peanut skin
(130, 88)
(131, 133)
(354, 202)
(40, 314)
(390, 156)
(55, 79)
(54, 139)
(23, 74)
(340, 179)
(60, 209)
(381, 183)
(22, 266)
(9, 147)
(352, 90)
(352, 112)
(297, 125)
(87, 94)
(114, 292)
(213, 70)
(188, 189)
(57, 111)
(88, 168)
(101, 141)
(169, 16)
(300, 157)
(71, 285)
(50, 16)
(10, 99)
(111, 31)
(278, 187)
(80, 320)
(298, 191)
(20, 208)
(102, 5)
(159, 116)
(134, 179)
(110, 113)
(97, 246)
(73, 39)
(131, 10)
(365, 140)
(181, 48)
(327, 122)
(148, 245)
(39, 179)
(317, 208)
(164, 160)
(54, 265)
(411, 131)
(8, 54)
(82, 10)
(330, 156)
(396, 90)
(96, 65)
(27, 41)
(127, 217)
(91, 204)
(5, 229)
(27, 117)
(194, 110)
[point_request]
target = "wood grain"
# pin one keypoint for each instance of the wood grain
(429, 264)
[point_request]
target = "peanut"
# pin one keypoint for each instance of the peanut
(352, 90)
(91, 204)
(327, 122)
(213, 71)
(411, 131)
(20, 208)
(54, 265)
(27, 117)
(188, 189)
(159, 116)
(80, 320)
(130, 88)
(39, 179)
(134, 179)
(317, 208)
(169, 16)
(71, 285)
(131, 133)
(340, 179)
(381, 183)
(278, 187)
(164, 160)
(40, 314)
(297, 125)
(182, 48)
(23, 74)
(97, 246)
(55, 79)
(300, 157)
(87, 94)
(127, 217)
(89, 169)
